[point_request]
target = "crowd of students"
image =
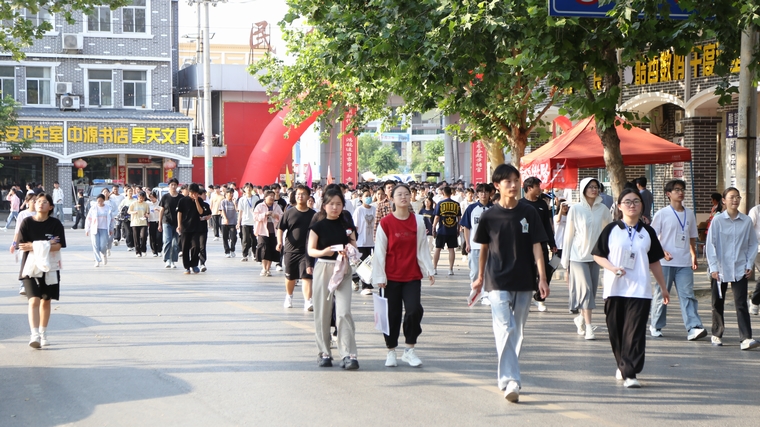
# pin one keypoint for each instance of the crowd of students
(512, 245)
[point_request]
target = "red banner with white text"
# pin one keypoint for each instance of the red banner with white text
(349, 151)
(479, 156)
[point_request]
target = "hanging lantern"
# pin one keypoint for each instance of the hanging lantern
(169, 166)
(80, 164)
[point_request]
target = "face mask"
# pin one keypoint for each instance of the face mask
(368, 200)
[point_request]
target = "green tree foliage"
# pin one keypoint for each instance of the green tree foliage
(8, 117)
(19, 31)
(426, 159)
(368, 145)
(384, 160)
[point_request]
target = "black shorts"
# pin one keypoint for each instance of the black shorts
(451, 242)
(38, 288)
(295, 266)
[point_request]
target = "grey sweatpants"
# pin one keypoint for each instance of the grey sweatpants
(323, 310)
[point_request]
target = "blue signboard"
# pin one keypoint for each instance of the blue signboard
(592, 9)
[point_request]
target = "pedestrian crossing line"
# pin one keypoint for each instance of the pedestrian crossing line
(489, 387)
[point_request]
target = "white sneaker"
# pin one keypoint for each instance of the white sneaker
(696, 333)
(451, 272)
(108, 252)
(116, 243)
(411, 358)
(227, 255)
(541, 306)
(278, 268)
(657, 333)
(631, 383)
(716, 341)
(308, 305)
(590, 333)
(512, 393)
(232, 254)
(216, 238)
(244, 259)
(391, 361)
(355, 286)
(168, 264)
(43, 339)
(749, 344)
(366, 291)
(97, 264)
(754, 309)
(618, 375)
(288, 301)
(267, 274)
(105, 258)
(580, 323)
(174, 265)
(263, 273)
(203, 268)
(34, 342)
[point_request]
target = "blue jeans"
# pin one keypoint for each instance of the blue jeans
(58, 211)
(11, 217)
(171, 243)
(99, 243)
(473, 259)
(509, 311)
(683, 277)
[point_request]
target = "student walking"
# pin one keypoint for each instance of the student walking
(266, 218)
(229, 215)
(510, 236)
(400, 262)
(246, 220)
(167, 224)
(446, 228)
(364, 219)
(329, 236)
(189, 211)
(297, 264)
(534, 198)
(731, 248)
(156, 240)
(47, 234)
(470, 221)
(79, 210)
(628, 249)
(676, 228)
(585, 222)
(98, 225)
(139, 212)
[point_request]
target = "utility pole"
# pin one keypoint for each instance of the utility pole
(208, 155)
(746, 147)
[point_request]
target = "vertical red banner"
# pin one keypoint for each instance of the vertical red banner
(123, 174)
(479, 162)
(349, 151)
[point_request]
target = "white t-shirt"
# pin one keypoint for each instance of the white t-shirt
(245, 207)
(672, 226)
(470, 220)
(559, 230)
(364, 220)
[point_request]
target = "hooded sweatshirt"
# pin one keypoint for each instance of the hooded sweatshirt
(584, 225)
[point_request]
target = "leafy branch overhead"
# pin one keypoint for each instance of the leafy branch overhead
(8, 117)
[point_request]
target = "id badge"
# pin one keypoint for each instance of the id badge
(680, 240)
(629, 260)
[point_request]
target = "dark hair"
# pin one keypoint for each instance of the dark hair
(628, 191)
(504, 171)
(331, 191)
(194, 188)
(47, 196)
(642, 181)
(101, 196)
(173, 181)
(400, 186)
(303, 188)
(531, 182)
(631, 185)
(143, 195)
(201, 190)
(481, 188)
(56, 182)
(446, 191)
(670, 185)
(184, 187)
(730, 189)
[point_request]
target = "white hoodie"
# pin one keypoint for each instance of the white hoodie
(584, 225)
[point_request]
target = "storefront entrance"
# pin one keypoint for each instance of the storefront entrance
(144, 176)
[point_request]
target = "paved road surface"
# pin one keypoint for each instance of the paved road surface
(134, 344)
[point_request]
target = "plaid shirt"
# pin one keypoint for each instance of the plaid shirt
(383, 209)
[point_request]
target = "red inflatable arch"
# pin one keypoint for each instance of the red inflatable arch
(272, 149)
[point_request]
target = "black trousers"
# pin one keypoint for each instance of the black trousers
(627, 325)
(216, 223)
(229, 238)
(202, 240)
(248, 240)
(117, 231)
(78, 216)
(190, 249)
(140, 238)
(740, 301)
(126, 231)
(156, 238)
(408, 294)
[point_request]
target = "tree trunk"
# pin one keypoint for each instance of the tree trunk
(612, 157)
(495, 152)
(517, 143)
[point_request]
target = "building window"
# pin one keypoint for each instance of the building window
(134, 17)
(187, 103)
(99, 19)
(135, 88)
(8, 82)
(99, 88)
(38, 18)
(37, 86)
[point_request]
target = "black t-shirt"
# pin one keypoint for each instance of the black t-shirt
(296, 223)
(203, 225)
(332, 232)
(169, 205)
(190, 217)
(510, 235)
(546, 218)
(30, 231)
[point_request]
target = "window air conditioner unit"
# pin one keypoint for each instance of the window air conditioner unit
(72, 42)
(69, 102)
(62, 88)
(678, 117)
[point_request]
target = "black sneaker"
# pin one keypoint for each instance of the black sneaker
(349, 364)
(324, 362)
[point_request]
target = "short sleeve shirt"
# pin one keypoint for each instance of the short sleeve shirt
(296, 223)
(30, 231)
(190, 217)
(332, 232)
(169, 205)
(449, 212)
(510, 235)
(670, 226)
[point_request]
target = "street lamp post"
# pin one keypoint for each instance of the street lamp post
(208, 156)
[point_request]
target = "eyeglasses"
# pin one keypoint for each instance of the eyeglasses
(630, 203)
(677, 190)
(739, 198)
(592, 187)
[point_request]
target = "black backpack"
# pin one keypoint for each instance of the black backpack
(124, 216)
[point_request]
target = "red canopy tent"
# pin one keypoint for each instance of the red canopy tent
(556, 164)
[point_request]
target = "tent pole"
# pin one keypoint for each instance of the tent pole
(693, 194)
